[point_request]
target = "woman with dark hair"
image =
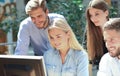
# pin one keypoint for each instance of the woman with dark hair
(97, 13)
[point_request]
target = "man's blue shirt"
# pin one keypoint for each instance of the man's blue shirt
(29, 34)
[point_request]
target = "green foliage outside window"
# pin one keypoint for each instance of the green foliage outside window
(11, 21)
(73, 10)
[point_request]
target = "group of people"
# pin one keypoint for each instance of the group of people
(51, 36)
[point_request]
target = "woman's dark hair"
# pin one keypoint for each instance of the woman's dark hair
(95, 41)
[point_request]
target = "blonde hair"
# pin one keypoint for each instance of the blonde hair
(61, 23)
(34, 4)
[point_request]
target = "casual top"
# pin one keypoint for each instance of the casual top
(76, 63)
(29, 34)
(109, 66)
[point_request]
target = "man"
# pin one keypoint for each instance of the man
(110, 62)
(33, 30)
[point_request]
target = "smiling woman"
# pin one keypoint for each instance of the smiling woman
(67, 58)
(97, 13)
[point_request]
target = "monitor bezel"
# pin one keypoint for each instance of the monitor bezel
(37, 62)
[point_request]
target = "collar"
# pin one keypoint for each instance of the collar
(70, 52)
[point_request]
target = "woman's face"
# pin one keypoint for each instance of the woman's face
(97, 16)
(59, 39)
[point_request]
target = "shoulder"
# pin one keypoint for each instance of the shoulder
(81, 55)
(50, 52)
(106, 65)
(55, 15)
(106, 59)
(27, 22)
(81, 52)
(110, 19)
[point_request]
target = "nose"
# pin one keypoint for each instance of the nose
(55, 41)
(36, 19)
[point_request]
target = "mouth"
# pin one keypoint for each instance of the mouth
(39, 23)
(96, 23)
(110, 50)
(57, 45)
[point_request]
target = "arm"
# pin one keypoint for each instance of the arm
(104, 66)
(83, 63)
(23, 40)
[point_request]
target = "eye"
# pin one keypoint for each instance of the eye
(39, 16)
(60, 36)
(51, 38)
(113, 40)
(96, 14)
(32, 18)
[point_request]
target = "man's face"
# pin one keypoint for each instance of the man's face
(112, 39)
(39, 17)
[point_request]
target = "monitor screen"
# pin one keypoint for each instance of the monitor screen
(16, 65)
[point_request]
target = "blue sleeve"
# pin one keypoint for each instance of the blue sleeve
(83, 63)
(23, 40)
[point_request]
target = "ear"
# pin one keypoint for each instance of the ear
(68, 34)
(47, 11)
(107, 12)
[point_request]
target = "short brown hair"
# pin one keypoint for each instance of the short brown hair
(113, 24)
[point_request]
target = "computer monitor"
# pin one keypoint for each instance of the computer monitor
(17, 65)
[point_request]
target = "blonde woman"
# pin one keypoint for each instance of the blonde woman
(67, 58)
